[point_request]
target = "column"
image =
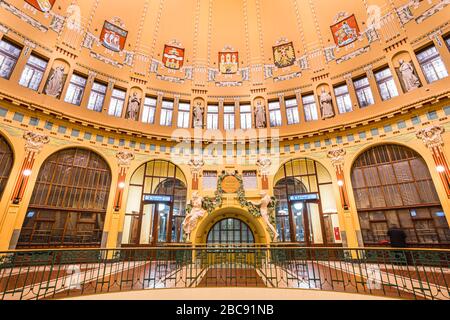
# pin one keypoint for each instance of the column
(196, 166)
(34, 143)
(282, 109)
(432, 138)
(264, 166)
(111, 238)
(301, 109)
(349, 232)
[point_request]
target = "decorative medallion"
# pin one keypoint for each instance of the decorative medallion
(113, 37)
(173, 57)
(228, 62)
(346, 31)
(284, 55)
(42, 5)
(230, 184)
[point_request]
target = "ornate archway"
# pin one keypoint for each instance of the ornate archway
(255, 225)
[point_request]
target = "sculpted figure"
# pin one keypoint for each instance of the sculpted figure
(55, 83)
(196, 213)
(410, 80)
(198, 115)
(326, 104)
(133, 107)
(264, 209)
(260, 115)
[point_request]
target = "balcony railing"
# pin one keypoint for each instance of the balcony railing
(55, 274)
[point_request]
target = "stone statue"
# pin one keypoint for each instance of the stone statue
(264, 209)
(55, 83)
(260, 115)
(134, 105)
(198, 115)
(197, 212)
(410, 80)
(326, 105)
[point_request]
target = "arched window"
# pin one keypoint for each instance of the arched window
(68, 205)
(393, 187)
(306, 211)
(156, 205)
(231, 232)
(6, 160)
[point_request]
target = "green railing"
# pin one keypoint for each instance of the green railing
(54, 274)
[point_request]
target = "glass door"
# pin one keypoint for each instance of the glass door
(298, 217)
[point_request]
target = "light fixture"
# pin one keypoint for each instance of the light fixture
(440, 169)
(121, 185)
(340, 183)
(298, 206)
(27, 173)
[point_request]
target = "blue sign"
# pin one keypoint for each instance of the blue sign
(157, 198)
(304, 197)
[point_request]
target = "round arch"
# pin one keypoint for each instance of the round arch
(200, 235)
(69, 200)
(393, 187)
(7, 161)
(156, 204)
(306, 208)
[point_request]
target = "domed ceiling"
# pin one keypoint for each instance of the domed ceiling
(223, 43)
(237, 51)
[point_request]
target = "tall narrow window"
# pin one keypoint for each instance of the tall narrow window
(97, 97)
(344, 102)
(33, 72)
(363, 92)
(117, 103)
(246, 117)
(184, 112)
(69, 201)
(166, 113)
(447, 41)
(386, 84)
(229, 118)
(310, 107)
(149, 110)
(212, 122)
(9, 54)
(432, 64)
(75, 91)
(292, 111)
(275, 114)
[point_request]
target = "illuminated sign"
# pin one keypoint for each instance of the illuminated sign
(304, 197)
(157, 198)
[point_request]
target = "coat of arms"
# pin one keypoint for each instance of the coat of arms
(173, 57)
(41, 5)
(345, 31)
(284, 55)
(113, 37)
(228, 62)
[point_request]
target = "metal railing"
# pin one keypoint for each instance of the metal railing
(54, 274)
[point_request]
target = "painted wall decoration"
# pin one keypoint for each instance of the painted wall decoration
(284, 55)
(42, 5)
(173, 57)
(228, 62)
(113, 37)
(345, 31)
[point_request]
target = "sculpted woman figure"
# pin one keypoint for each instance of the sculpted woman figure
(194, 216)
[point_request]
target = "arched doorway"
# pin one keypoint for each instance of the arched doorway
(230, 231)
(69, 201)
(306, 211)
(156, 205)
(6, 159)
(393, 187)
